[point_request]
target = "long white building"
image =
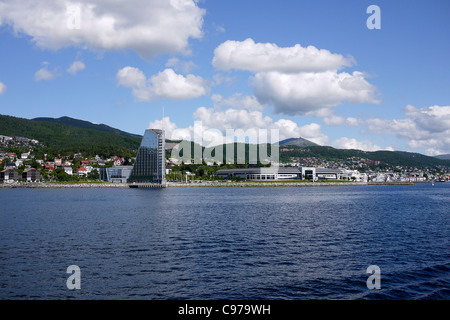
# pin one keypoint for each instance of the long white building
(281, 173)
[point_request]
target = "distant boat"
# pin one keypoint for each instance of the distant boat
(432, 183)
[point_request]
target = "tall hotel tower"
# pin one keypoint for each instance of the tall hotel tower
(150, 164)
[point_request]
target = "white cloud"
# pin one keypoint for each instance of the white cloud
(232, 118)
(300, 93)
(2, 88)
(131, 77)
(351, 143)
(425, 128)
(238, 101)
(149, 27)
(164, 85)
(263, 57)
(434, 152)
(311, 132)
(45, 74)
(75, 67)
(180, 66)
(334, 120)
(220, 78)
(296, 80)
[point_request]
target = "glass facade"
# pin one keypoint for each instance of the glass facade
(150, 160)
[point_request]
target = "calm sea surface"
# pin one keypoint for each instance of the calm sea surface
(226, 243)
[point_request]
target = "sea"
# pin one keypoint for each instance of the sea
(211, 243)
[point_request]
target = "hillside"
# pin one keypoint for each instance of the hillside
(299, 142)
(65, 135)
(387, 158)
(443, 156)
(87, 125)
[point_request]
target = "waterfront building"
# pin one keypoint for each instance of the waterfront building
(117, 174)
(31, 175)
(280, 173)
(150, 164)
(271, 173)
(9, 175)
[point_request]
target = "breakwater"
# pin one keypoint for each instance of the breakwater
(43, 185)
(196, 184)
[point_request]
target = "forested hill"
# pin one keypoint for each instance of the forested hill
(71, 135)
(387, 158)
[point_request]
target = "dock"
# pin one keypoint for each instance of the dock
(148, 185)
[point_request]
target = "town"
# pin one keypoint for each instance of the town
(19, 163)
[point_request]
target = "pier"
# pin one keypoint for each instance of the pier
(148, 185)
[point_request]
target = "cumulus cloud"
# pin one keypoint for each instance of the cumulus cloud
(2, 88)
(296, 80)
(334, 120)
(149, 27)
(296, 94)
(238, 101)
(423, 128)
(164, 85)
(75, 67)
(263, 57)
(131, 77)
(180, 66)
(352, 143)
(45, 74)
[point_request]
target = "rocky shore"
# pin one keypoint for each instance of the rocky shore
(43, 185)
(197, 184)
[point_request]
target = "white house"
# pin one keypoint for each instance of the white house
(67, 169)
(82, 172)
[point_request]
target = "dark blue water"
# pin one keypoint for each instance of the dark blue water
(226, 243)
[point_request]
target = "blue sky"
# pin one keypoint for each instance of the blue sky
(307, 68)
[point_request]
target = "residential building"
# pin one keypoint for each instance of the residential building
(9, 175)
(67, 169)
(31, 175)
(49, 167)
(118, 161)
(11, 165)
(82, 172)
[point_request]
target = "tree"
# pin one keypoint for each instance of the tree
(94, 175)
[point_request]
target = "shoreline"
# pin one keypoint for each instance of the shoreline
(197, 185)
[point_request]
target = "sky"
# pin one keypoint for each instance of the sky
(312, 69)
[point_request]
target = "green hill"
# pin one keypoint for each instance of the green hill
(299, 142)
(67, 135)
(87, 125)
(387, 158)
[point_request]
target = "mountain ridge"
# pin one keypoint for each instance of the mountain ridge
(443, 156)
(300, 142)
